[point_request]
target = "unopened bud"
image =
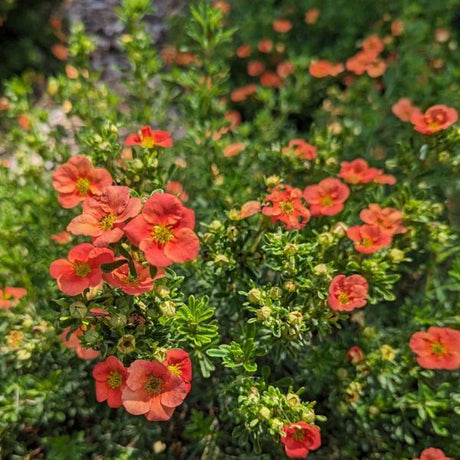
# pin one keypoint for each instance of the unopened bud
(387, 352)
(320, 269)
(255, 295)
(263, 313)
(295, 318)
(127, 344)
(326, 239)
(340, 229)
(396, 255)
(293, 401)
(290, 250)
(162, 290)
(168, 308)
(265, 413)
(272, 181)
(275, 293)
(289, 286)
(221, 259)
(215, 226)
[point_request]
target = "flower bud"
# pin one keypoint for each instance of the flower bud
(340, 229)
(289, 286)
(209, 238)
(355, 355)
(275, 293)
(272, 181)
(232, 233)
(159, 447)
(215, 226)
(293, 401)
(221, 259)
(255, 295)
(265, 413)
(320, 269)
(326, 239)
(263, 313)
(387, 352)
(396, 255)
(295, 318)
(168, 308)
(127, 344)
(290, 250)
(162, 290)
(276, 424)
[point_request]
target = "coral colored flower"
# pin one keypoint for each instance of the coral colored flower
(152, 390)
(436, 118)
(323, 68)
(284, 69)
(299, 438)
(60, 51)
(234, 150)
(62, 238)
(9, 297)
(176, 189)
(243, 51)
(78, 180)
(110, 376)
(433, 454)
(132, 285)
(164, 231)
(382, 178)
(178, 362)
(373, 44)
(397, 27)
(388, 219)
(270, 80)
(81, 270)
(326, 198)
(255, 68)
(348, 292)
(403, 109)
(311, 16)
(301, 149)
(437, 348)
(286, 206)
(368, 238)
(234, 117)
(249, 209)
(282, 26)
(149, 139)
(74, 342)
(265, 45)
(222, 5)
(355, 355)
(242, 93)
(104, 216)
(357, 172)
(24, 122)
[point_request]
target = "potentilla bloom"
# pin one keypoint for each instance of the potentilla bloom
(152, 390)
(300, 149)
(78, 180)
(286, 206)
(62, 238)
(282, 26)
(10, 296)
(382, 178)
(373, 44)
(355, 355)
(348, 292)
(164, 231)
(366, 61)
(436, 118)
(326, 198)
(299, 438)
(242, 93)
(132, 284)
(270, 80)
(249, 209)
(178, 362)
(357, 172)
(388, 219)
(104, 216)
(311, 16)
(284, 69)
(81, 269)
(324, 68)
(403, 109)
(149, 139)
(255, 68)
(368, 238)
(265, 45)
(110, 376)
(176, 189)
(243, 51)
(234, 150)
(73, 341)
(433, 454)
(437, 348)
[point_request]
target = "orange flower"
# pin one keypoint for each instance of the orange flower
(403, 109)
(9, 297)
(149, 139)
(368, 238)
(348, 292)
(373, 44)
(164, 231)
(24, 122)
(60, 51)
(357, 172)
(438, 348)
(62, 238)
(282, 26)
(355, 355)
(265, 45)
(388, 219)
(433, 454)
(81, 270)
(255, 68)
(222, 5)
(152, 390)
(300, 149)
(284, 69)
(178, 362)
(234, 117)
(234, 150)
(176, 189)
(78, 180)
(243, 51)
(299, 438)
(324, 68)
(286, 206)
(242, 93)
(311, 16)
(249, 209)
(397, 27)
(73, 341)
(271, 80)
(104, 216)
(382, 178)
(436, 118)
(327, 197)
(110, 376)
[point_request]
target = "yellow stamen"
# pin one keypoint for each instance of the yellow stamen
(81, 268)
(175, 369)
(106, 223)
(153, 386)
(162, 234)
(114, 379)
(287, 207)
(83, 186)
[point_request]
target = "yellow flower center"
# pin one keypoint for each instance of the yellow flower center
(367, 242)
(438, 349)
(81, 268)
(327, 200)
(114, 379)
(162, 234)
(106, 223)
(83, 186)
(131, 280)
(153, 386)
(343, 298)
(287, 207)
(175, 369)
(147, 142)
(299, 434)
